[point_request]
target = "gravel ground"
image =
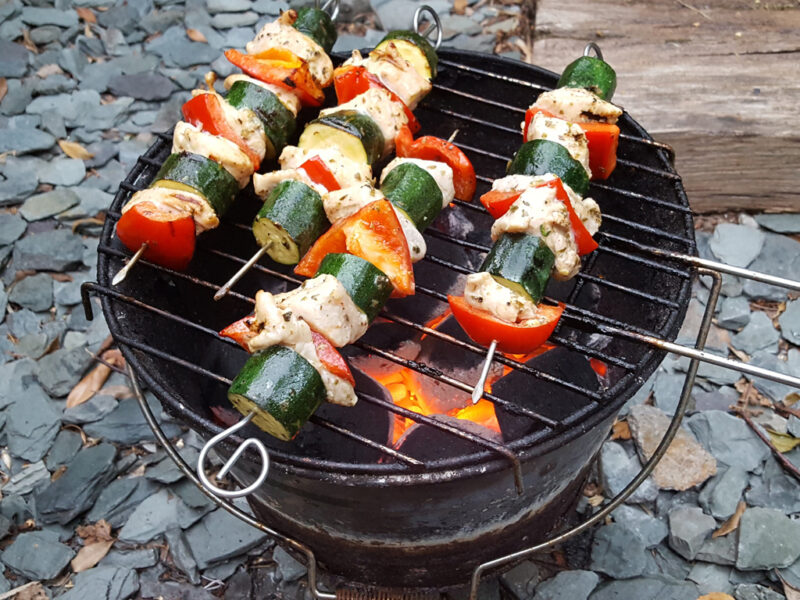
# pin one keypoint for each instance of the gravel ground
(92, 509)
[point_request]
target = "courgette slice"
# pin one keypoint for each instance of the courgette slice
(317, 25)
(414, 191)
(352, 133)
(290, 221)
(281, 388)
(366, 284)
(195, 173)
(279, 122)
(540, 157)
(591, 73)
(521, 262)
(415, 49)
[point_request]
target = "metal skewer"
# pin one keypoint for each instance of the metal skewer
(221, 292)
(477, 392)
(123, 272)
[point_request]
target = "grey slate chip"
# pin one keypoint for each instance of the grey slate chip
(156, 515)
(753, 591)
(65, 447)
(688, 530)
(734, 313)
(33, 476)
(117, 501)
(767, 539)
(24, 140)
(644, 588)
(289, 567)
(220, 536)
(13, 59)
(61, 370)
(92, 410)
(178, 51)
(56, 250)
(729, 439)
(32, 425)
(232, 6)
(711, 578)
(758, 334)
(721, 495)
(130, 559)
(618, 552)
(37, 555)
(79, 487)
(774, 488)
(650, 529)
(182, 555)
(790, 322)
(104, 583)
(126, 424)
(568, 585)
(720, 550)
(736, 245)
(63, 171)
(780, 257)
(230, 20)
(142, 86)
(35, 292)
(49, 16)
(12, 226)
(782, 223)
(618, 468)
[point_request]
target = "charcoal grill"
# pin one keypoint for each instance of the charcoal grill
(341, 494)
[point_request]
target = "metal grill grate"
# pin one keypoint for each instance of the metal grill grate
(644, 210)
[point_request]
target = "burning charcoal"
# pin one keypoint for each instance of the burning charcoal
(546, 398)
(427, 443)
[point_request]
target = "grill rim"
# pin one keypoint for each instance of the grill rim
(448, 469)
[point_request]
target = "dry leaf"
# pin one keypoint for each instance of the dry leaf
(790, 592)
(3, 87)
(86, 14)
(28, 42)
(621, 431)
(196, 36)
(716, 596)
(30, 591)
(459, 7)
(732, 524)
(596, 500)
(783, 442)
(47, 70)
(99, 532)
(117, 391)
(74, 150)
(88, 386)
(90, 555)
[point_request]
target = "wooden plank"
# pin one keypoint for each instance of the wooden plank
(719, 81)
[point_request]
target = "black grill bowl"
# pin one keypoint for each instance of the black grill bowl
(384, 519)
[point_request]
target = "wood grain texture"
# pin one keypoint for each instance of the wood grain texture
(718, 80)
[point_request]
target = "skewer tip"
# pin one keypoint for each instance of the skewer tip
(123, 272)
(226, 287)
(477, 391)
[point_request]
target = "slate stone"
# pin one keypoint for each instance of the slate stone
(721, 550)
(568, 585)
(54, 124)
(752, 591)
(126, 424)
(663, 562)
(61, 370)
(792, 574)
(717, 399)
(272, 8)
(773, 389)
(721, 495)
(711, 578)
(13, 59)
(734, 313)
(35, 292)
(736, 245)
(646, 588)
(66, 446)
(780, 257)
(80, 485)
(650, 530)
(37, 555)
(92, 410)
(32, 425)
(33, 476)
(793, 426)
(55, 250)
(122, 496)
(220, 536)
(142, 86)
(173, 590)
(767, 539)
(178, 51)
(758, 334)
(688, 529)
(232, 6)
(182, 555)
(55, 84)
(24, 140)
(63, 171)
(782, 223)
(729, 439)
(45, 35)
(130, 559)
(519, 581)
(290, 568)
(191, 495)
(104, 583)
(667, 391)
(157, 514)
(12, 226)
(229, 20)
(774, 488)
(49, 16)
(618, 552)
(790, 322)
(618, 469)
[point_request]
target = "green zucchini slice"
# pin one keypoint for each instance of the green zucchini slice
(200, 175)
(352, 133)
(521, 262)
(414, 191)
(290, 221)
(415, 49)
(279, 122)
(540, 157)
(592, 73)
(317, 25)
(365, 283)
(281, 387)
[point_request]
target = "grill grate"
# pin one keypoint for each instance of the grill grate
(644, 207)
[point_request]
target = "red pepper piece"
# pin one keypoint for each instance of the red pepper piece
(169, 238)
(319, 173)
(498, 203)
(330, 358)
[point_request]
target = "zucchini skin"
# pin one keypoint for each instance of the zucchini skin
(366, 284)
(296, 209)
(360, 126)
(413, 190)
(420, 42)
(208, 177)
(540, 157)
(522, 259)
(279, 122)
(317, 25)
(281, 387)
(592, 73)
